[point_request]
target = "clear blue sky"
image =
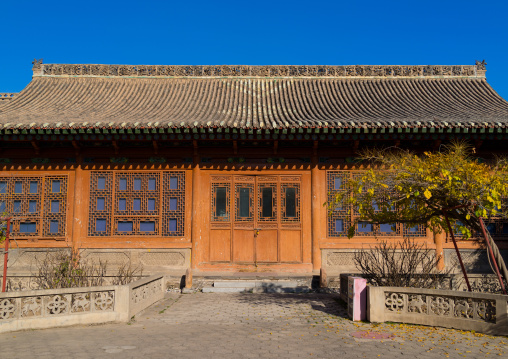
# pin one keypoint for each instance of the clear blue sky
(253, 33)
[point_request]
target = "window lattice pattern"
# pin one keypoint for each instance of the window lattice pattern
(137, 203)
(38, 205)
(339, 219)
(267, 192)
(244, 197)
(174, 204)
(55, 204)
(290, 202)
(101, 199)
(221, 213)
(342, 216)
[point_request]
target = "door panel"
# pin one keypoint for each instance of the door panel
(266, 246)
(290, 246)
(243, 246)
(220, 245)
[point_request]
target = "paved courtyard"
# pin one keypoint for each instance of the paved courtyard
(249, 326)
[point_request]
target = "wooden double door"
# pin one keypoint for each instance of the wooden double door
(256, 219)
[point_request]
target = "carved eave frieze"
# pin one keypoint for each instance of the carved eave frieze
(350, 71)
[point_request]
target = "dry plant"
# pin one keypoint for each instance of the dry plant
(403, 264)
(65, 269)
(127, 273)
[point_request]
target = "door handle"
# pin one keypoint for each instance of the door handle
(256, 231)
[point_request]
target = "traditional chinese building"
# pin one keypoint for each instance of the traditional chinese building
(222, 168)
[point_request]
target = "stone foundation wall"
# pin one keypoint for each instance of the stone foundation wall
(337, 261)
(172, 263)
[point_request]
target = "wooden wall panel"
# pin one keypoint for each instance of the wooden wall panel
(290, 246)
(220, 245)
(243, 246)
(266, 246)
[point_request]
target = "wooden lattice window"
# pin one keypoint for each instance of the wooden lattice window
(38, 205)
(137, 203)
(343, 215)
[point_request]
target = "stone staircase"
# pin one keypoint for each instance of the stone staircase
(257, 286)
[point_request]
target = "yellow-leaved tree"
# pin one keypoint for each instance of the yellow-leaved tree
(403, 187)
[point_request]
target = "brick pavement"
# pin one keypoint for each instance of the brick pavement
(247, 326)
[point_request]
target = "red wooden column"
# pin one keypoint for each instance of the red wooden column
(439, 239)
(195, 218)
(316, 207)
(80, 207)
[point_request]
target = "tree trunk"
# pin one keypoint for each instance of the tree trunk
(498, 258)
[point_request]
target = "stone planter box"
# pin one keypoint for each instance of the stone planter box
(485, 313)
(39, 309)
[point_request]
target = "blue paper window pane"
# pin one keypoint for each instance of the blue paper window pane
(100, 225)
(55, 186)
(53, 227)
(28, 227)
(122, 184)
(151, 184)
(173, 204)
(18, 187)
(151, 204)
(101, 183)
(136, 204)
(385, 228)
(122, 204)
(2, 206)
(173, 182)
(339, 225)
(137, 184)
(100, 203)
(125, 226)
(34, 186)
(32, 206)
(172, 225)
(491, 228)
(55, 206)
(337, 183)
(364, 227)
(375, 206)
(148, 226)
(413, 229)
(16, 206)
(505, 228)
(3, 187)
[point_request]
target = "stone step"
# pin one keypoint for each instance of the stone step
(255, 284)
(227, 290)
(257, 290)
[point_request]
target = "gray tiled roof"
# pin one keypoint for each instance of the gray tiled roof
(267, 97)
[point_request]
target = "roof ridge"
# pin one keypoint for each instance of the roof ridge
(327, 71)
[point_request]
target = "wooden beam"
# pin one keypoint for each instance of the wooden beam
(115, 146)
(275, 147)
(477, 145)
(355, 145)
(436, 145)
(36, 147)
(235, 147)
(155, 147)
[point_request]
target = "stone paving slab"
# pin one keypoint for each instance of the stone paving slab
(249, 326)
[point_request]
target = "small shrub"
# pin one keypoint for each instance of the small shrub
(403, 264)
(65, 269)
